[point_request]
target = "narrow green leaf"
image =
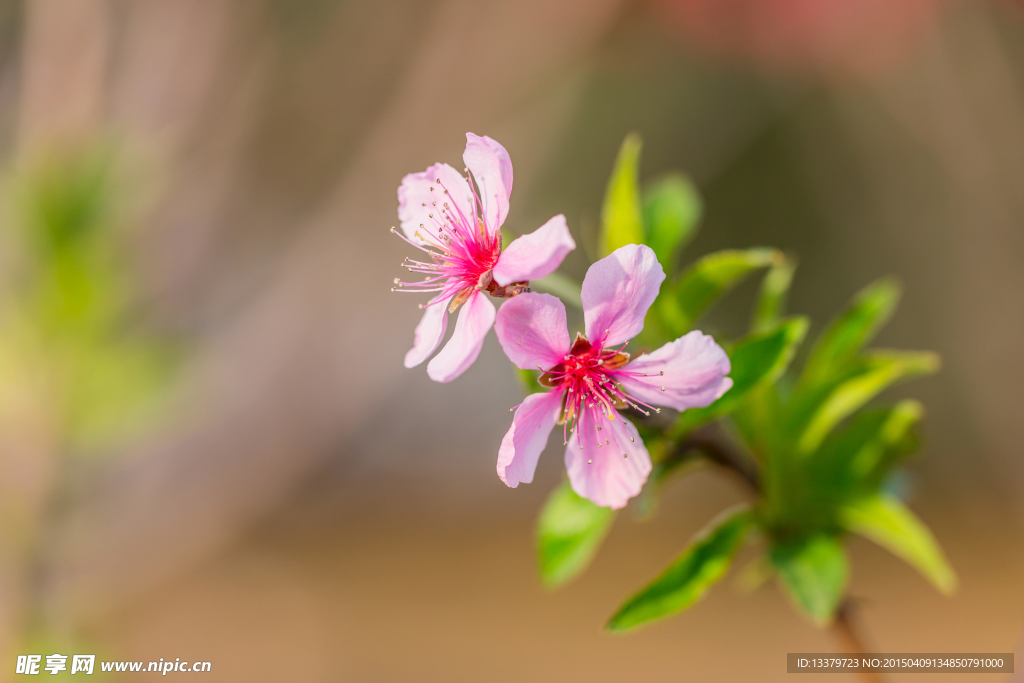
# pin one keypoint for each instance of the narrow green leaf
(813, 573)
(687, 579)
(622, 213)
(569, 533)
(886, 521)
(871, 308)
(707, 280)
(672, 208)
(893, 430)
(854, 461)
(756, 359)
(880, 370)
(566, 289)
(771, 302)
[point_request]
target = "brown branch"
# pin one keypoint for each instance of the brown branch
(717, 450)
(845, 630)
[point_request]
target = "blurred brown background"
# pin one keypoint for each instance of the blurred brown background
(310, 510)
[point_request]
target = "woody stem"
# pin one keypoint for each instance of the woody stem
(844, 628)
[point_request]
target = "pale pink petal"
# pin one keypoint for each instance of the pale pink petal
(535, 255)
(491, 167)
(420, 195)
(532, 331)
(694, 368)
(475, 318)
(526, 438)
(429, 333)
(617, 292)
(610, 474)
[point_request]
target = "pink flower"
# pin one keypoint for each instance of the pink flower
(458, 225)
(593, 378)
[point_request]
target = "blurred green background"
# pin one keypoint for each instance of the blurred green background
(209, 448)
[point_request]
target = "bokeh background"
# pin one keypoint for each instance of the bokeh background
(268, 489)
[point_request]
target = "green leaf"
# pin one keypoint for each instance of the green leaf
(886, 521)
(855, 461)
(569, 533)
(879, 370)
(687, 579)
(672, 208)
(891, 438)
(622, 214)
(707, 280)
(566, 289)
(756, 359)
(771, 302)
(857, 458)
(870, 309)
(851, 463)
(813, 573)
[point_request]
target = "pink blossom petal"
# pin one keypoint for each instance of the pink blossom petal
(491, 167)
(429, 333)
(535, 255)
(420, 195)
(617, 292)
(475, 319)
(694, 368)
(532, 331)
(601, 473)
(526, 438)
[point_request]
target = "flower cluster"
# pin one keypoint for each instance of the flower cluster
(813, 456)
(456, 221)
